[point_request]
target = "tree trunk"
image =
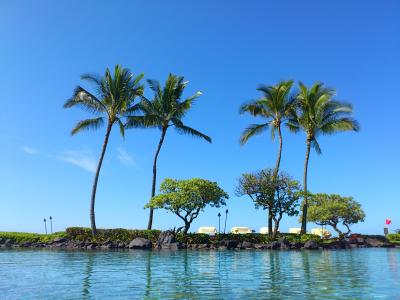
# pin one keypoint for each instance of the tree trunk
(275, 176)
(270, 221)
(186, 229)
(339, 232)
(96, 178)
(305, 204)
(278, 160)
(276, 227)
(153, 184)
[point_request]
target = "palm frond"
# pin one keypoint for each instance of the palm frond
(190, 131)
(84, 99)
(121, 128)
(315, 146)
(251, 131)
(88, 124)
(143, 121)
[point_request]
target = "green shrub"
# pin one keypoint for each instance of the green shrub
(24, 237)
(394, 237)
(117, 235)
(194, 238)
(302, 238)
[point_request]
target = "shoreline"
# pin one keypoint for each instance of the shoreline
(231, 245)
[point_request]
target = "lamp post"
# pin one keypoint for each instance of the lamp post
(226, 217)
(51, 224)
(45, 226)
(219, 222)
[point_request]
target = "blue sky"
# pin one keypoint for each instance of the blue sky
(225, 49)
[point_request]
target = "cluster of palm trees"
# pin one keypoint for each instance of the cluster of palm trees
(119, 100)
(115, 104)
(311, 110)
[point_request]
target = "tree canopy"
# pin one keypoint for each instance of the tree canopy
(278, 194)
(186, 198)
(334, 210)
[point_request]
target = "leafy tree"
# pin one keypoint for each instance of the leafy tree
(165, 110)
(261, 185)
(317, 113)
(333, 210)
(186, 198)
(114, 101)
(274, 107)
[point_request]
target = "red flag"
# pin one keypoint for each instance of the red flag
(388, 221)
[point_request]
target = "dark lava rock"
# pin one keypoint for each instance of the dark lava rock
(360, 241)
(203, 246)
(260, 246)
(175, 246)
(231, 244)
(311, 245)
(8, 243)
(247, 245)
(296, 245)
(339, 245)
(91, 246)
(284, 243)
(60, 240)
(273, 245)
(377, 242)
(26, 244)
(166, 239)
(121, 245)
(140, 243)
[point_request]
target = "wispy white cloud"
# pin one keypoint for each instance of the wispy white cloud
(125, 158)
(29, 150)
(82, 159)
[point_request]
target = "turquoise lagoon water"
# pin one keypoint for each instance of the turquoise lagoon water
(51, 274)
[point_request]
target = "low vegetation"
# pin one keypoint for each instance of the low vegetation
(24, 237)
(118, 234)
(394, 238)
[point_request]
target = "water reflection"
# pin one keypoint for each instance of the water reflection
(87, 275)
(200, 274)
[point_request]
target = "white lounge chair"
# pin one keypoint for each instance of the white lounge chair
(207, 230)
(321, 232)
(295, 230)
(240, 230)
(264, 230)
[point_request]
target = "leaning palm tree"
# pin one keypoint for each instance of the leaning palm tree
(115, 100)
(274, 107)
(317, 113)
(166, 109)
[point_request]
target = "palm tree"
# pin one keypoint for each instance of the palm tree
(274, 106)
(166, 109)
(115, 100)
(317, 113)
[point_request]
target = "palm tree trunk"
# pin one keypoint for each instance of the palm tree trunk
(153, 184)
(275, 175)
(278, 160)
(96, 178)
(305, 204)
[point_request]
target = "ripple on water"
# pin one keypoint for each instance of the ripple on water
(47, 274)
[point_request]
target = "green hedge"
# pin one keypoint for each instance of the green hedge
(127, 235)
(394, 237)
(302, 238)
(24, 237)
(256, 238)
(118, 234)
